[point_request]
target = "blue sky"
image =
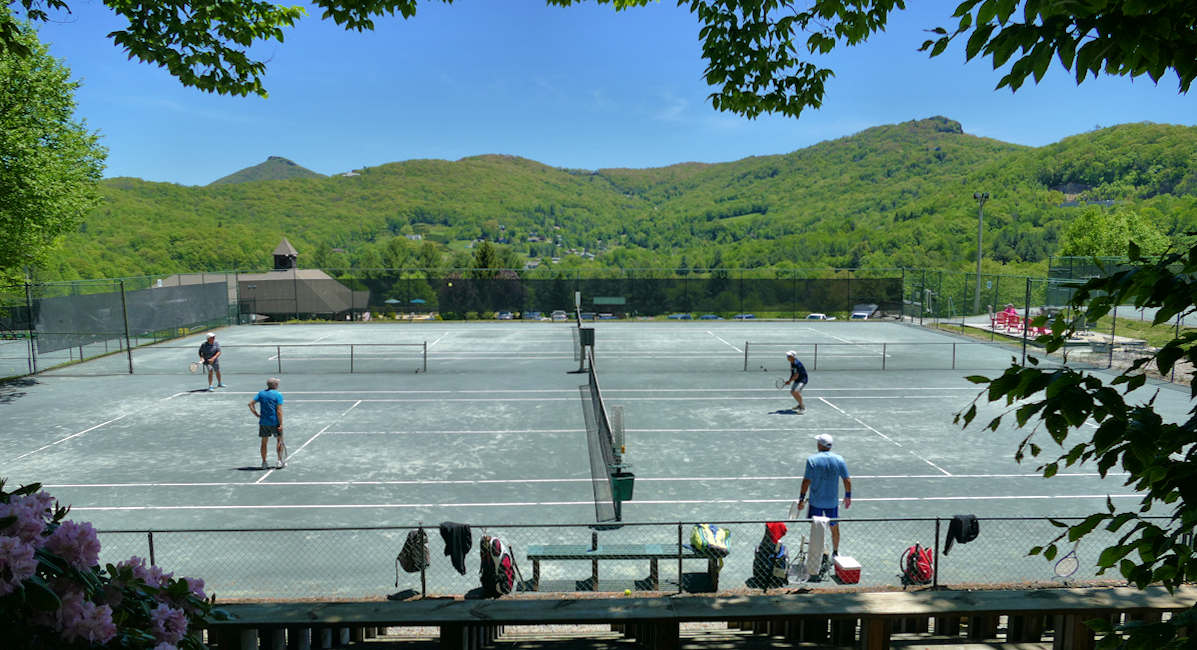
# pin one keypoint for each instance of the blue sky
(581, 87)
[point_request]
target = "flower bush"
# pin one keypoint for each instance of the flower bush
(54, 594)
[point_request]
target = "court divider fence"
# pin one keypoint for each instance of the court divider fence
(360, 562)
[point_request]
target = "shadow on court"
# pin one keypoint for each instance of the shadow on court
(10, 391)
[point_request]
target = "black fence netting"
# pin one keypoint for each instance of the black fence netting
(459, 295)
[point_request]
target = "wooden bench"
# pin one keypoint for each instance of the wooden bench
(654, 553)
(821, 617)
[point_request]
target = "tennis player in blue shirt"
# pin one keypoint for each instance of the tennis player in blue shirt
(270, 419)
(822, 470)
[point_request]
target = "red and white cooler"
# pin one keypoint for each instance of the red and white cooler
(847, 569)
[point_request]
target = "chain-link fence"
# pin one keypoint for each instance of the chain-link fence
(63, 323)
(45, 325)
(331, 563)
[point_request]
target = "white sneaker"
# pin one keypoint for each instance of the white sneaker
(281, 463)
(265, 465)
(801, 411)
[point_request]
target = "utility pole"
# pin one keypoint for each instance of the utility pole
(981, 198)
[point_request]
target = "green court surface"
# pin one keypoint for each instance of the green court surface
(492, 433)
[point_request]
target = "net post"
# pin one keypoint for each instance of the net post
(150, 537)
(815, 365)
(425, 361)
(351, 358)
(679, 557)
(953, 355)
(745, 356)
(278, 356)
(883, 356)
(125, 316)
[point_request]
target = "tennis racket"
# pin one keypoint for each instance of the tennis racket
(780, 383)
(795, 512)
(1068, 565)
(284, 445)
(194, 367)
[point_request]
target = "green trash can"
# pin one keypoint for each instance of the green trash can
(621, 485)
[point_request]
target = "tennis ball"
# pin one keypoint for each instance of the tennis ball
(627, 592)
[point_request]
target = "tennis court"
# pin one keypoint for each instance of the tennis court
(482, 423)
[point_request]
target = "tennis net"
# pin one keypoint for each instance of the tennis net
(604, 458)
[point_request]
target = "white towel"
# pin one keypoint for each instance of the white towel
(820, 534)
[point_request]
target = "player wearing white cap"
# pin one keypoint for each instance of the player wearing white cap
(209, 352)
(797, 380)
(822, 470)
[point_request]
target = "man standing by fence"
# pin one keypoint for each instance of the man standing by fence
(822, 470)
(209, 351)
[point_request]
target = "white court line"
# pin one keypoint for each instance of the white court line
(438, 339)
(516, 504)
(898, 389)
(76, 435)
(576, 430)
(899, 445)
(724, 342)
(522, 481)
(740, 398)
(292, 454)
(841, 340)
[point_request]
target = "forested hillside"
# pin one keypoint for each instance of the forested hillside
(897, 195)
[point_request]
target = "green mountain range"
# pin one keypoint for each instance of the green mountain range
(895, 195)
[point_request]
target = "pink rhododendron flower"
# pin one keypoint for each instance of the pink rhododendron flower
(155, 577)
(17, 563)
(137, 564)
(30, 523)
(168, 624)
(79, 619)
(76, 543)
(196, 586)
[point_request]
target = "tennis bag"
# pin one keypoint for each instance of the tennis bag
(709, 540)
(771, 561)
(414, 556)
(497, 571)
(917, 566)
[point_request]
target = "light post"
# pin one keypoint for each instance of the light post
(981, 198)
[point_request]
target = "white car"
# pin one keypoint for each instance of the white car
(818, 316)
(859, 315)
(560, 315)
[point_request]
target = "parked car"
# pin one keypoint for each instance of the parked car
(533, 315)
(710, 317)
(680, 317)
(818, 316)
(745, 316)
(587, 315)
(606, 316)
(560, 315)
(859, 315)
(504, 315)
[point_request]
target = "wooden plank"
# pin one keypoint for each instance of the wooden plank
(609, 552)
